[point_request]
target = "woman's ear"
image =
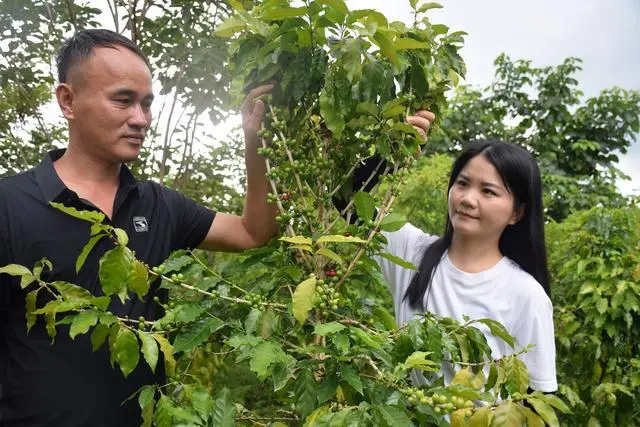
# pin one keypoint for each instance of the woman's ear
(65, 96)
(518, 214)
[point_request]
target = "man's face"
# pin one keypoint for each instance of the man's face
(111, 110)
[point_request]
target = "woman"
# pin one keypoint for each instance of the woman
(491, 261)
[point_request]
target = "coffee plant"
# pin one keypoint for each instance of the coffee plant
(299, 332)
(595, 257)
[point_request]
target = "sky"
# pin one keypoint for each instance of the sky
(604, 34)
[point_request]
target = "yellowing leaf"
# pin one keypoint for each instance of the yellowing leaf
(533, 419)
(463, 377)
(402, 43)
(297, 240)
(91, 216)
(545, 411)
(509, 414)
(303, 298)
(123, 239)
(340, 239)
(330, 254)
(139, 279)
(167, 350)
(15, 270)
(229, 27)
(480, 417)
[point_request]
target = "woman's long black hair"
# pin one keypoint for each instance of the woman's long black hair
(523, 241)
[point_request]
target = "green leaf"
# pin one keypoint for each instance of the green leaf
(533, 419)
(297, 240)
(139, 279)
(278, 13)
(405, 128)
(493, 376)
(336, 238)
(338, 5)
(99, 335)
(149, 349)
(498, 330)
(341, 342)
(480, 417)
(393, 222)
(30, 307)
(126, 351)
(167, 351)
(428, 6)
(87, 250)
(397, 260)
(419, 360)
(72, 292)
(403, 43)
(262, 357)
(91, 216)
(197, 333)
(115, 268)
(508, 414)
(556, 402)
(229, 27)
(83, 322)
(351, 377)
(325, 329)
(394, 417)
(305, 393)
(50, 324)
(368, 108)
(302, 247)
(517, 376)
(224, 410)
(176, 263)
(365, 205)
(122, 237)
(386, 47)
(545, 411)
(330, 254)
(15, 270)
(146, 400)
(303, 298)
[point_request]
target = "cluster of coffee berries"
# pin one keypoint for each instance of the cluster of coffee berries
(326, 295)
(440, 403)
(255, 300)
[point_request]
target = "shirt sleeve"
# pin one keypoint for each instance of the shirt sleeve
(407, 243)
(541, 359)
(190, 221)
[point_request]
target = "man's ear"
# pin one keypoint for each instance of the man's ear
(518, 214)
(65, 97)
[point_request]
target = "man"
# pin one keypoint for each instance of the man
(105, 93)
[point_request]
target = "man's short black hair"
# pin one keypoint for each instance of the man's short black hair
(80, 46)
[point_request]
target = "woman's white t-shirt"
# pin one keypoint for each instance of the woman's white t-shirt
(504, 293)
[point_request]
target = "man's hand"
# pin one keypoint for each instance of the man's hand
(422, 121)
(253, 111)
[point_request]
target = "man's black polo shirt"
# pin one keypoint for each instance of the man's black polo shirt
(66, 384)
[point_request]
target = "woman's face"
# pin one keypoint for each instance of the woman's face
(479, 203)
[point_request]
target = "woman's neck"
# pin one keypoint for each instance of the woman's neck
(474, 255)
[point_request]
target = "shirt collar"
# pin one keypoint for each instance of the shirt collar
(52, 187)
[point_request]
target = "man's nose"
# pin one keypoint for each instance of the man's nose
(139, 118)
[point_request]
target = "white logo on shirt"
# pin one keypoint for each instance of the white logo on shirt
(140, 224)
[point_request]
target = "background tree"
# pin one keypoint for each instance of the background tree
(576, 141)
